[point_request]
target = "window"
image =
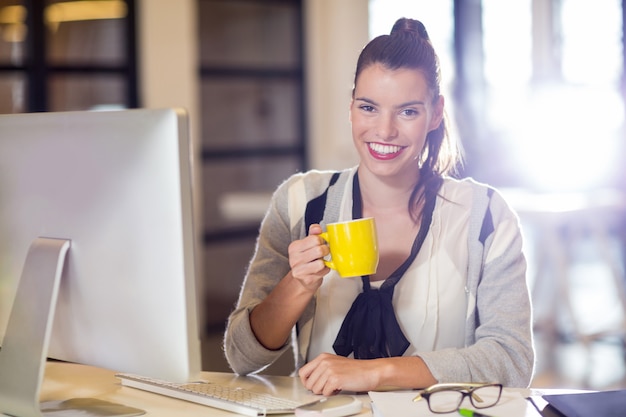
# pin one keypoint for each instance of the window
(67, 55)
(553, 72)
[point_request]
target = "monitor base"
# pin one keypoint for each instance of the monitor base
(25, 346)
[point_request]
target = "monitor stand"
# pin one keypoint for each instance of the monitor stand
(25, 346)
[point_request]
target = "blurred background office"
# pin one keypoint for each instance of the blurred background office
(535, 89)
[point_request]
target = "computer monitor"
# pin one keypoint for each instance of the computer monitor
(117, 187)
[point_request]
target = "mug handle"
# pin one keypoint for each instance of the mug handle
(330, 264)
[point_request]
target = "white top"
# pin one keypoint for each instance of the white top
(429, 301)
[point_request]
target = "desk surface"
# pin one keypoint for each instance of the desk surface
(63, 381)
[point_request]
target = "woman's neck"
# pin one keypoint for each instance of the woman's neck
(385, 195)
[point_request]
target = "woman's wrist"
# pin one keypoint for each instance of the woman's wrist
(299, 288)
(405, 372)
(273, 319)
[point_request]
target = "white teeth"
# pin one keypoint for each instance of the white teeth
(384, 149)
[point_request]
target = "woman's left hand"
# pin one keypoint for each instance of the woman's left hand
(328, 374)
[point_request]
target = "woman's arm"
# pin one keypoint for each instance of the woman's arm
(273, 319)
(281, 280)
(268, 266)
(500, 347)
(328, 374)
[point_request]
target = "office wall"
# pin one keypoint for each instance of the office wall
(168, 54)
(336, 31)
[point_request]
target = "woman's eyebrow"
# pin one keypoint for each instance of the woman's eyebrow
(367, 100)
(406, 104)
(413, 103)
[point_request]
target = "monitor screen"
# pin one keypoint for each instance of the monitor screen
(118, 185)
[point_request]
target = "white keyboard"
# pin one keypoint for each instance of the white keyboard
(237, 400)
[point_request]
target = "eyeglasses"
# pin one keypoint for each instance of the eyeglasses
(447, 397)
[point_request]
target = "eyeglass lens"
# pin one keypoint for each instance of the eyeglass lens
(447, 401)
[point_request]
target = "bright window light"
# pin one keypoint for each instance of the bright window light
(592, 41)
(562, 134)
(566, 140)
(508, 43)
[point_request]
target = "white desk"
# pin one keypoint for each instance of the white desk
(64, 381)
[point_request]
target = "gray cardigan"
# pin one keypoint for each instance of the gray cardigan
(498, 345)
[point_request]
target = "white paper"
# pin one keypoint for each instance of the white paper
(401, 404)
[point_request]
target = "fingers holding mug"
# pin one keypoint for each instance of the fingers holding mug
(306, 257)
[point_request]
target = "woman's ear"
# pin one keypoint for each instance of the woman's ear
(437, 116)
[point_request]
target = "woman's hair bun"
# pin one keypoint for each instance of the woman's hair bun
(410, 25)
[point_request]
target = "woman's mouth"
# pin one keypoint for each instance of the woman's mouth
(381, 151)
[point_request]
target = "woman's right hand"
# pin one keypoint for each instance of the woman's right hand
(306, 259)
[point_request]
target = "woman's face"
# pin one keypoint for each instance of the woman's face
(391, 113)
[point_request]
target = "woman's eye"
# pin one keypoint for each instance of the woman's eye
(367, 108)
(409, 112)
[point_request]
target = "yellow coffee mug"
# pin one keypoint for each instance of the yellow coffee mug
(353, 247)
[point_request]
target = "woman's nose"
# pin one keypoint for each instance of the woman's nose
(386, 128)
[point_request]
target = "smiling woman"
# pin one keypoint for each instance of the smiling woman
(449, 300)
